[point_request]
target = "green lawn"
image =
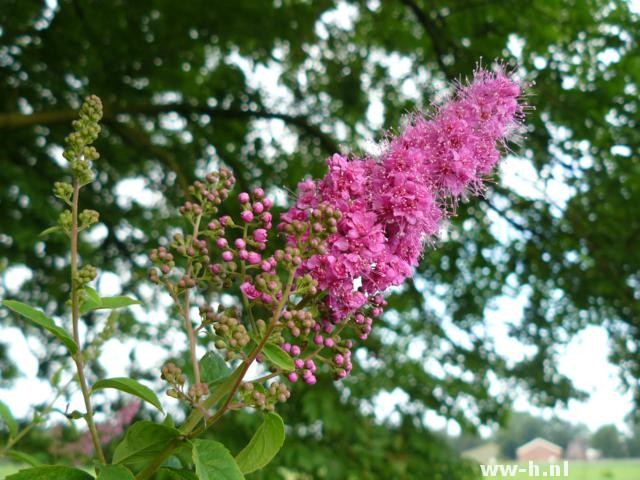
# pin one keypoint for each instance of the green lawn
(600, 470)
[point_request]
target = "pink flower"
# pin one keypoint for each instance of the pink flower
(254, 258)
(260, 235)
(247, 216)
(249, 290)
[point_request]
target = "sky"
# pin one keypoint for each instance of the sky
(584, 359)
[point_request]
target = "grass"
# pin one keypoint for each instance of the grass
(624, 469)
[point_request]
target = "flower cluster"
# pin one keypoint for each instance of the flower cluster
(349, 236)
(392, 203)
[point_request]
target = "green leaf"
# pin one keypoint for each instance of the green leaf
(39, 318)
(105, 303)
(91, 302)
(214, 462)
(278, 357)
(50, 230)
(213, 368)
(50, 472)
(264, 445)
(21, 457)
(7, 416)
(179, 474)
(144, 441)
(115, 472)
(131, 386)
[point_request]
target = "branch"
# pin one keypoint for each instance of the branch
(16, 120)
(435, 36)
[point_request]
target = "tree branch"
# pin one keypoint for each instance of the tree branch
(16, 120)
(434, 34)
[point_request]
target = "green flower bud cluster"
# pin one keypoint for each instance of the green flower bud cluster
(231, 334)
(88, 218)
(79, 151)
(63, 191)
(176, 379)
(209, 194)
(311, 236)
(85, 275)
(298, 322)
(65, 221)
(257, 396)
(109, 329)
(197, 392)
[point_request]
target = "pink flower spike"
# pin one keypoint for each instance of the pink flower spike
(243, 197)
(293, 377)
(258, 207)
(239, 243)
(247, 216)
(258, 192)
(222, 242)
(227, 255)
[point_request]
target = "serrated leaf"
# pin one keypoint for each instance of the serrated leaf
(213, 368)
(143, 442)
(50, 472)
(21, 457)
(9, 420)
(115, 472)
(278, 357)
(39, 318)
(50, 230)
(264, 445)
(214, 462)
(131, 386)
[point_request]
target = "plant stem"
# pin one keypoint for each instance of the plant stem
(231, 385)
(193, 341)
(75, 316)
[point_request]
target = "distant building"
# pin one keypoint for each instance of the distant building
(577, 449)
(593, 454)
(539, 450)
(486, 454)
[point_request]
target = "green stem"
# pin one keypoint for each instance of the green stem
(193, 341)
(75, 316)
(231, 386)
